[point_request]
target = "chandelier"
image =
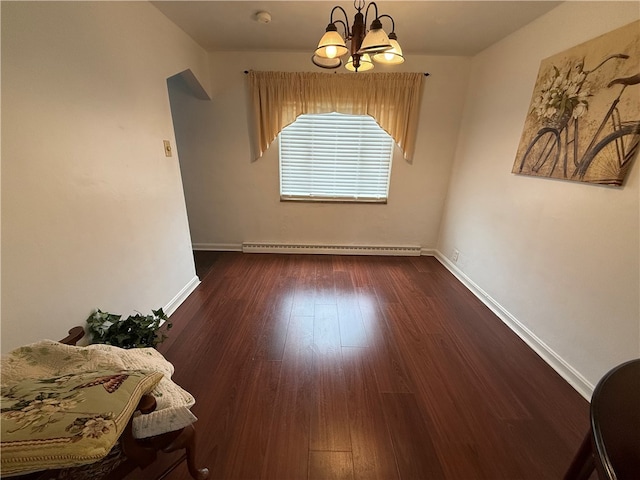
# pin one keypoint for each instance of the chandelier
(365, 46)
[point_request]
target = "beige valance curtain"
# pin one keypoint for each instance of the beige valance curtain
(392, 99)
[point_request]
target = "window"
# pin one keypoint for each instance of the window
(335, 157)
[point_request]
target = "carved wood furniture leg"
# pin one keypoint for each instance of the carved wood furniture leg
(583, 463)
(187, 440)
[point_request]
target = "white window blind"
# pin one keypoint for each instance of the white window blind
(335, 157)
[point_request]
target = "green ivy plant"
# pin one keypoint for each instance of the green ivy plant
(135, 331)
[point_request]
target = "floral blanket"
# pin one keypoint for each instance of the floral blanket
(57, 399)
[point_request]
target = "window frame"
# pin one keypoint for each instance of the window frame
(344, 128)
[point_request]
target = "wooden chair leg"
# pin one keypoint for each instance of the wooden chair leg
(187, 440)
(583, 463)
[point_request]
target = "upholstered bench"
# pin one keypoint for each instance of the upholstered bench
(91, 412)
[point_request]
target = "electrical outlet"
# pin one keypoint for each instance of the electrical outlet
(167, 148)
(455, 255)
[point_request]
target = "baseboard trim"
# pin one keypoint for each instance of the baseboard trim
(217, 247)
(182, 295)
(261, 247)
(555, 361)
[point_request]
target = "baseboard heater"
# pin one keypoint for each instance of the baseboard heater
(255, 247)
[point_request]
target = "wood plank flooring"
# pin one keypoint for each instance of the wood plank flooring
(339, 367)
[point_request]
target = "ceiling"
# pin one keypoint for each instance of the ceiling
(423, 27)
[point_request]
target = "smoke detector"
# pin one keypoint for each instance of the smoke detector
(263, 17)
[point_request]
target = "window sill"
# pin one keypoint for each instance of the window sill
(378, 201)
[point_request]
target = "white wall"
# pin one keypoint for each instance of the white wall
(560, 258)
(231, 199)
(93, 213)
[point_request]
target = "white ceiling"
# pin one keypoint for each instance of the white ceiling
(423, 27)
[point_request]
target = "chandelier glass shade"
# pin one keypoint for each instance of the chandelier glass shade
(376, 39)
(363, 45)
(331, 44)
(393, 56)
(365, 63)
(326, 62)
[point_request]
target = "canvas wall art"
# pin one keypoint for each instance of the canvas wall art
(584, 120)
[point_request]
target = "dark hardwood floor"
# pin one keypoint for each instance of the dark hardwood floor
(338, 367)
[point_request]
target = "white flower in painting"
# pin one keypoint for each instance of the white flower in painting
(572, 90)
(557, 82)
(579, 110)
(578, 77)
(562, 93)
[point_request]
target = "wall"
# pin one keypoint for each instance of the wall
(231, 199)
(560, 260)
(93, 213)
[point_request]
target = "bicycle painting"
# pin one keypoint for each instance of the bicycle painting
(584, 120)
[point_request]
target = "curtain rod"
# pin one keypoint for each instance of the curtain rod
(425, 73)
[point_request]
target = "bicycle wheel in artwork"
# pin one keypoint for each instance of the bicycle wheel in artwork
(584, 120)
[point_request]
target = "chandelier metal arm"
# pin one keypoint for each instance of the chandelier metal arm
(366, 13)
(347, 35)
(345, 23)
(393, 24)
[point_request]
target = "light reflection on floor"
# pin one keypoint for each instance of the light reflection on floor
(351, 319)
